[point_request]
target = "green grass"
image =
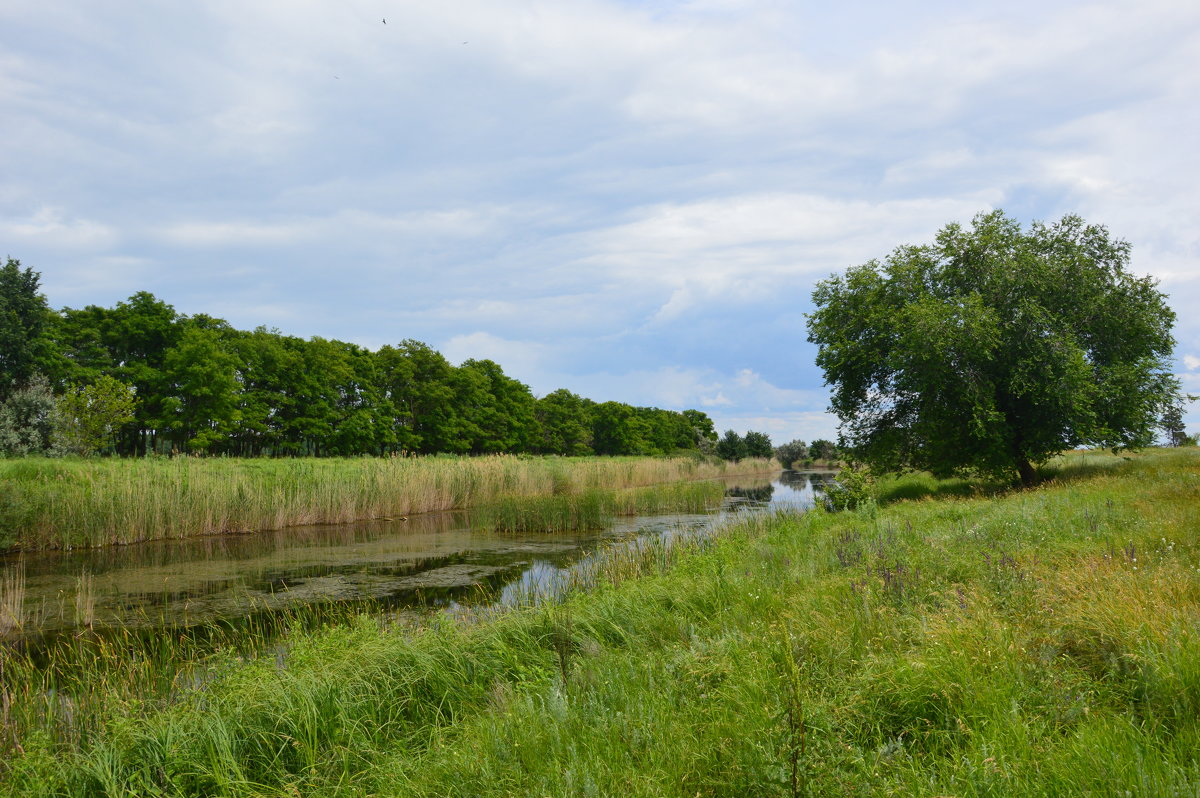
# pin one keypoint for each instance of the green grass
(593, 509)
(49, 503)
(1040, 642)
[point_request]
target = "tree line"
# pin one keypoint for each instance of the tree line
(140, 378)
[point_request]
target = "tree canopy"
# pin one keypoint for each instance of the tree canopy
(994, 348)
(791, 452)
(140, 378)
(23, 315)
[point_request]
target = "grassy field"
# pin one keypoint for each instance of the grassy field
(52, 503)
(964, 641)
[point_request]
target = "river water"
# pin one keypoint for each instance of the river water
(427, 561)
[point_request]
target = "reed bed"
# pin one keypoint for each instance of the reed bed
(594, 508)
(1033, 643)
(47, 503)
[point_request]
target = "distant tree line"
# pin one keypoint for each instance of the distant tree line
(139, 378)
(798, 452)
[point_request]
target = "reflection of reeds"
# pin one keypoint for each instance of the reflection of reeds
(85, 602)
(12, 601)
(63, 503)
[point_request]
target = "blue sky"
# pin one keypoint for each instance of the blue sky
(629, 200)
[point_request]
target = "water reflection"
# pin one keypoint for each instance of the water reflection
(799, 489)
(757, 494)
(433, 560)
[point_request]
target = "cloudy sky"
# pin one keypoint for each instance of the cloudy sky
(631, 200)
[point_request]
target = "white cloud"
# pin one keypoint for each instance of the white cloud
(52, 228)
(738, 247)
(348, 223)
(520, 359)
(1192, 362)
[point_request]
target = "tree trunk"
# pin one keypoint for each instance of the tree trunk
(1026, 471)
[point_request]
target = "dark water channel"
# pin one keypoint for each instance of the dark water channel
(428, 561)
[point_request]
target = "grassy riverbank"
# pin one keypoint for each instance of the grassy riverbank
(50, 503)
(1040, 642)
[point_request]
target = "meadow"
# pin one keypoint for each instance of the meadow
(946, 639)
(62, 503)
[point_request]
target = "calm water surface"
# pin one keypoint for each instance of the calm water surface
(431, 560)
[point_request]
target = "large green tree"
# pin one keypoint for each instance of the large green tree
(201, 408)
(994, 348)
(565, 425)
(86, 417)
(731, 446)
(791, 452)
(758, 444)
(23, 316)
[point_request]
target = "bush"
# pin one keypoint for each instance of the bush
(853, 488)
(25, 419)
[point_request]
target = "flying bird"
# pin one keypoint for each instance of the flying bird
(385, 22)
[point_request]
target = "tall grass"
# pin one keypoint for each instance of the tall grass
(1038, 642)
(72, 503)
(594, 508)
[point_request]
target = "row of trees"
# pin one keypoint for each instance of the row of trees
(798, 451)
(154, 381)
(734, 447)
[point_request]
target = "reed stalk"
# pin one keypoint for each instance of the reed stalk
(12, 602)
(85, 602)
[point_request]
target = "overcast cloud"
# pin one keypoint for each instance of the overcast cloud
(629, 200)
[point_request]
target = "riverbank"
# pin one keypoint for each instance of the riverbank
(63, 503)
(1035, 642)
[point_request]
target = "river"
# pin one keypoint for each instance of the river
(427, 561)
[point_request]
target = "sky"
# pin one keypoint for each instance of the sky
(630, 200)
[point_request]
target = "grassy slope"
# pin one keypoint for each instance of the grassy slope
(1044, 642)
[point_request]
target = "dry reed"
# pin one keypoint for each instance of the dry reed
(12, 601)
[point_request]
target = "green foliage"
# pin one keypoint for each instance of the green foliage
(791, 452)
(201, 407)
(731, 447)
(1172, 423)
(993, 349)
(821, 449)
(758, 444)
(853, 488)
(564, 420)
(23, 316)
(498, 409)
(204, 387)
(87, 417)
(702, 425)
(25, 419)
